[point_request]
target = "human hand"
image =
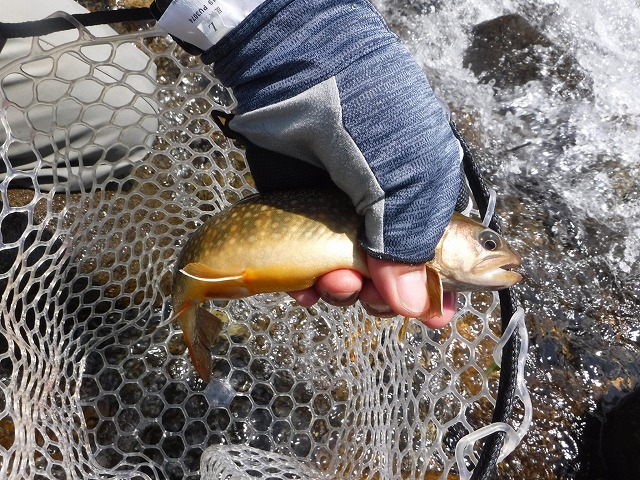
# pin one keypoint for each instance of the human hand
(395, 289)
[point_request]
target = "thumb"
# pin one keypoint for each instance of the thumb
(403, 287)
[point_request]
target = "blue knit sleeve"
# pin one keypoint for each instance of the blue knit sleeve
(325, 81)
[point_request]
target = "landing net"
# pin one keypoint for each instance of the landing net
(110, 159)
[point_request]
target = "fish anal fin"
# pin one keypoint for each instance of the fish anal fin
(200, 329)
(434, 293)
(204, 273)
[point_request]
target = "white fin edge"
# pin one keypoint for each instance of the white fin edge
(211, 280)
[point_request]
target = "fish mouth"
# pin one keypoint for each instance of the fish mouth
(509, 267)
(509, 274)
(511, 277)
(504, 262)
(499, 271)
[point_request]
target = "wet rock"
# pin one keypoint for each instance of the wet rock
(135, 3)
(113, 4)
(510, 52)
(419, 7)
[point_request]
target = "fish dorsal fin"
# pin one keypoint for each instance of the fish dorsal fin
(434, 292)
(203, 273)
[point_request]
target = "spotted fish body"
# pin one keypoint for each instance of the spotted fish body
(275, 242)
(283, 241)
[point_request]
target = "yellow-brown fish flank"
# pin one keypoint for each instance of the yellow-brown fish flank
(284, 241)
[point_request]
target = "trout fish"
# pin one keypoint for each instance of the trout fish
(283, 241)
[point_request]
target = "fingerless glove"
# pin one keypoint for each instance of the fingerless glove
(326, 82)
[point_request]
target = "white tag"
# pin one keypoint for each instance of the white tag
(214, 25)
(204, 22)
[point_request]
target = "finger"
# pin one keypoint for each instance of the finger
(373, 302)
(340, 287)
(305, 297)
(402, 287)
(449, 304)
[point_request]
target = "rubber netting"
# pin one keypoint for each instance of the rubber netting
(110, 158)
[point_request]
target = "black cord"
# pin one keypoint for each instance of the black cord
(57, 24)
(505, 401)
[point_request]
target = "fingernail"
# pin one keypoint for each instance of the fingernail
(412, 291)
(344, 299)
(379, 310)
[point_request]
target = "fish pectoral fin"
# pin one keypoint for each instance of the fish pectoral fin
(200, 334)
(434, 293)
(402, 334)
(203, 273)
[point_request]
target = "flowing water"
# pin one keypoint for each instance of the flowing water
(563, 159)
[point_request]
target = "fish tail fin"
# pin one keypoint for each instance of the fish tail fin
(200, 329)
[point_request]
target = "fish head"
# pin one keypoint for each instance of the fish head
(472, 257)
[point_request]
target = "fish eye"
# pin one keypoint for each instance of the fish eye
(489, 240)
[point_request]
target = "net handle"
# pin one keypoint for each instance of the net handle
(507, 387)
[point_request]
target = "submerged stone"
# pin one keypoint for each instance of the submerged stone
(509, 52)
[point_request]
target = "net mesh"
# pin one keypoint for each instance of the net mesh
(111, 159)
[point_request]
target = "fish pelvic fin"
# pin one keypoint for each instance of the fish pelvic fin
(200, 329)
(203, 273)
(434, 293)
